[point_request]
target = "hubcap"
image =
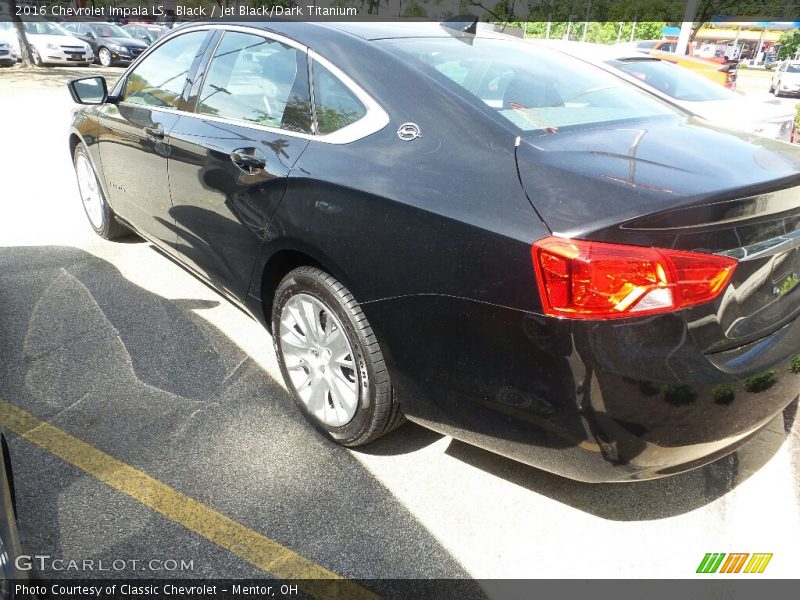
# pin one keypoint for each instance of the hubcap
(90, 191)
(105, 57)
(319, 359)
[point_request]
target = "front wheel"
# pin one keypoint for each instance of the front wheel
(105, 57)
(100, 215)
(330, 359)
(36, 58)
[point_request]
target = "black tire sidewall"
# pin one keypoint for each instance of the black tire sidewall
(304, 282)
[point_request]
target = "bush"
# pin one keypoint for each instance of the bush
(795, 368)
(770, 66)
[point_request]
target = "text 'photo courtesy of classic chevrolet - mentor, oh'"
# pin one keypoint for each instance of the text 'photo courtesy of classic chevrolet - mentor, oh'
(496, 240)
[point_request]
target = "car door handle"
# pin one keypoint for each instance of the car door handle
(249, 160)
(156, 132)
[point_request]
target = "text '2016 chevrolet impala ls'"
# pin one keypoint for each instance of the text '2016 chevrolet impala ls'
(498, 241)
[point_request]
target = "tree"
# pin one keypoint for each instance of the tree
(24, 46)
(790, 44)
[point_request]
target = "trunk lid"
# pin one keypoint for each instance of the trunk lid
(686, 185)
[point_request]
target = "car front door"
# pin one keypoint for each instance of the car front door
(230, 161)
(134, 133)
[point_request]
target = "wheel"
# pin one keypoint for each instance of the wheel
(330, 359)
(105, 57)
(37, 60)
(100, 215)
(777, 90)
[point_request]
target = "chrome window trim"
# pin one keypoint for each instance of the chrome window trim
(373, 121)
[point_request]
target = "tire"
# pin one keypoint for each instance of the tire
(104, 56)
(777, 90)
(36, 58)
(372, 409)
(98, 212)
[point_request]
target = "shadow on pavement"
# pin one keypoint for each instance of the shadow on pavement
(641, 500)
(152, 383)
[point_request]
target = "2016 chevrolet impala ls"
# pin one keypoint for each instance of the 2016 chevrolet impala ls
(498, 241)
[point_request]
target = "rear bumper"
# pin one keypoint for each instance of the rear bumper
(592, 401)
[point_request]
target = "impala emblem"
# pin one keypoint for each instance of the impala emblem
(408, 132)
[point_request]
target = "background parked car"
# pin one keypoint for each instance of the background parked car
(689, 90)
(7, 55)
(50, 44)
(786, 79)
(146, 32)
(111, 44)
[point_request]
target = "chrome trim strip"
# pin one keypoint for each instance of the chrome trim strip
(373, 121)
(781, 243)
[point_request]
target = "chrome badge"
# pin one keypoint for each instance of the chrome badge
(408, 132)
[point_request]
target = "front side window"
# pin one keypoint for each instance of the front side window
(533, 88)
(335, 105)
(159, 79)
(257, 80)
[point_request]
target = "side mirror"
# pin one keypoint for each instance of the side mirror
(88, 90)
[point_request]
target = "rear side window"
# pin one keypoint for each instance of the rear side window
(258, 80)
(533, 88)
(159, 79)
(335, 105)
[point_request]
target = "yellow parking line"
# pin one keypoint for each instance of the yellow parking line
(257, 549)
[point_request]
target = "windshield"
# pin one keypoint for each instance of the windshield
(44, 28)
(533, 88)
(675, 81)
(108, 30)
(793, 68)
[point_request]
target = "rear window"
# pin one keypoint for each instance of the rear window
(533, 88)
(673, 80)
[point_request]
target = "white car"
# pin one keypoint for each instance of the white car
(786, 79)
(7, 56)
(688, 90)
(50, 44)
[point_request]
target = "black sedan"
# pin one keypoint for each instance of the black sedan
(111, 44)
(498, 241)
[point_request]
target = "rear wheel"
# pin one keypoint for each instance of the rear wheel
(99, 213)
(330, 359)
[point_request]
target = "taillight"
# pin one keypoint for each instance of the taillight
(596, 280)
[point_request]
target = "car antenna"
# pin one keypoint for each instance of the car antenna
(462, 23)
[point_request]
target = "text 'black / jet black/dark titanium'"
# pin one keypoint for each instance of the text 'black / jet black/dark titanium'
(500, 242)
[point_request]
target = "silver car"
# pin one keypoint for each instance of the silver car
(786, 79)
(50, 44)
(7, 55)
(690, 91)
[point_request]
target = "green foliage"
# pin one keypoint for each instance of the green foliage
(790, 43)
(770, 66)
(760, 383)
(795, 368)
(415, 10)
(678, 394)
(723, 394)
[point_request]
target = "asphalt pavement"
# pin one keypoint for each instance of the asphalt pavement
(115, 346)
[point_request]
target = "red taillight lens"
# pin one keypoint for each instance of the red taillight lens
(595, 280)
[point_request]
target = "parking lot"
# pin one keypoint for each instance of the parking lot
(156, 427)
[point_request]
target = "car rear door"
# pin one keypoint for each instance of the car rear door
(134, 133)
(229, 162)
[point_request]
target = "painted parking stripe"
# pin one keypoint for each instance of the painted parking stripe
(257, 549)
